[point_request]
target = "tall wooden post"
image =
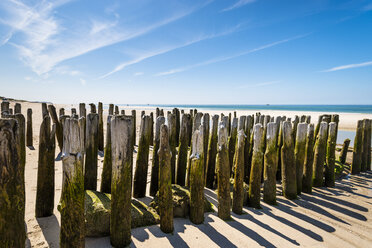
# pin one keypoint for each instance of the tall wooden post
(182, 151)
(270, 163)
(57, 122)
(331, 155)
(320, 155)
(212, 153)
(344, 150)
(107, 160)
(300, 149)
(238, 190)
(307, 179)
(154, 185)
(91, 150)
(288, 163)
(29, 133)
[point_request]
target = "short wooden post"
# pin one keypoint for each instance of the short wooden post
(181, 164)
(329, 174)
(121, 185)
(12, 210)
(212, 153)
(61, 111)
(309, 159)
(134, 115)
(122, 112)
(59, 128)
(72, 232)
(100, 127)
(165, 186)
(17, 108)
(205, 121)
(320, 155)
(365, 148)
(248, 147)
(93, 109)
(300, 149)
(358, 149)
(288, 163)
(29, 133)
(344, 150)
(223, 174)
(154, 185)
(151, 129)
(91, 152)
(256, 169)
(140, 174)
(116, 112)
(82, 110)
(232, 142)
(44, 110)
(196, 177)
(73, 111)
(270, 163)
(4, 108)
(111, 109)
(238, 190)
(294, 127)
(45, 173)
(107, 160)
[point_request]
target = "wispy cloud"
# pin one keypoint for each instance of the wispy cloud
(220, 59)
(151, 54)
(46, 42)
(136, 74)
(83, 81)
(350, 66)
(368, 7)
(238, 4)
(257, 85)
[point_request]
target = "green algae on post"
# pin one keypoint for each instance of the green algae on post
(320, 155)
(270, 162)
(212, 153)
(307, 180)
(256, 169)
(329, 174)
(107, 160)
(238, 190)
(182, 151)
(300, 148)
(289, 182)
(91, 152)
(344, 150)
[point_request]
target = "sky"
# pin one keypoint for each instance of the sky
(187, 51)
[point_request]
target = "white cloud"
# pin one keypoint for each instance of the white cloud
(350, 66)
(257, 85)
(140, 73)
(220, 59)
(239, 4)
(46, 42)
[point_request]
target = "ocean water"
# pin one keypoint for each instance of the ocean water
(342, 135)
(366, 109)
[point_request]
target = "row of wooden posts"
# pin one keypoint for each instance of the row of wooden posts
(186, 151)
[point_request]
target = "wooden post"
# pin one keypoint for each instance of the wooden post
(300, 149)
(17, 108)
(223, 174)
(320, 155)
(212, 153)
(288, 163)
(4, 108)
(358, 149)
(279, 151)
(91, 149)
(229, 125)
(196, 177)
(344, 150)
(256, 169)
(107, 160)
(12, 209)
(369, 130)
(294, 127)
(205, 121)
(157, 112)
(317, 127)
(111, 109)
(72, 232)
(154, 185)
(365, 148)
(171, 118)
(182, 151)
(121, 186)
(29, 140)
(165, 184)
(134, 115)
(176, 112)
(241, 125)
(308, 119)
(151, 129)
(270, 163)
(122, 112)
(59, 128)
(44, 110)
(61, 111)
(303, 118)
(100, 127)
(116, 110)
(232, 142)
(247, 147)
(73, 111)
(93, 109)
(82, 110)
(309, 159)
(140, 174)
(329, 174)
(45, 173)
(238, 190)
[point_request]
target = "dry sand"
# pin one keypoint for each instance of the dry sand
(327, 218)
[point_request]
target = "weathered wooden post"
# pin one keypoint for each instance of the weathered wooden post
(122, 112)
(165, 184)
(140, 174)
(329, 174)
(157, 112)
(134, 114)
(300, 149)
(100, 127)
(182, 151)
(111, 109)
(241, 124)
(232, 142)
(61, 111)
(365, 148)
(17, 108)
(4, 108)
(171, 118)
(270, 163)
(279, 151)
(247, 147)
(121, 185)
(93, 109)
(320, 155)
(45, 172)
(309, 159)
(71, 207)
(205, 121)
(335, 118)
(154, 185)
(151, 129)
(358, 148)
(29, 134)
(44, 110)
(176, 112)
(317, 127)
(107, 160)
(12, 209)
(369, 133)
(196, 177)
(116, 112)
(308, 119)
(162, 112)
(212, 153)
(288, 163)
(229, 125)
(302, 118)
(73, 111)
(91, 152)
(223, 174)
(82, 110)
(294, 128)
(59, 128)
(256, 169)
(238, 189)
(344, 150)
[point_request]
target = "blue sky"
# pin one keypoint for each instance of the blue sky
(187, 52)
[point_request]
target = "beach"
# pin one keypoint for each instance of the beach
(327, 218)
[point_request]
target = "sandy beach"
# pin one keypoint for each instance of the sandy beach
(327, 218)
